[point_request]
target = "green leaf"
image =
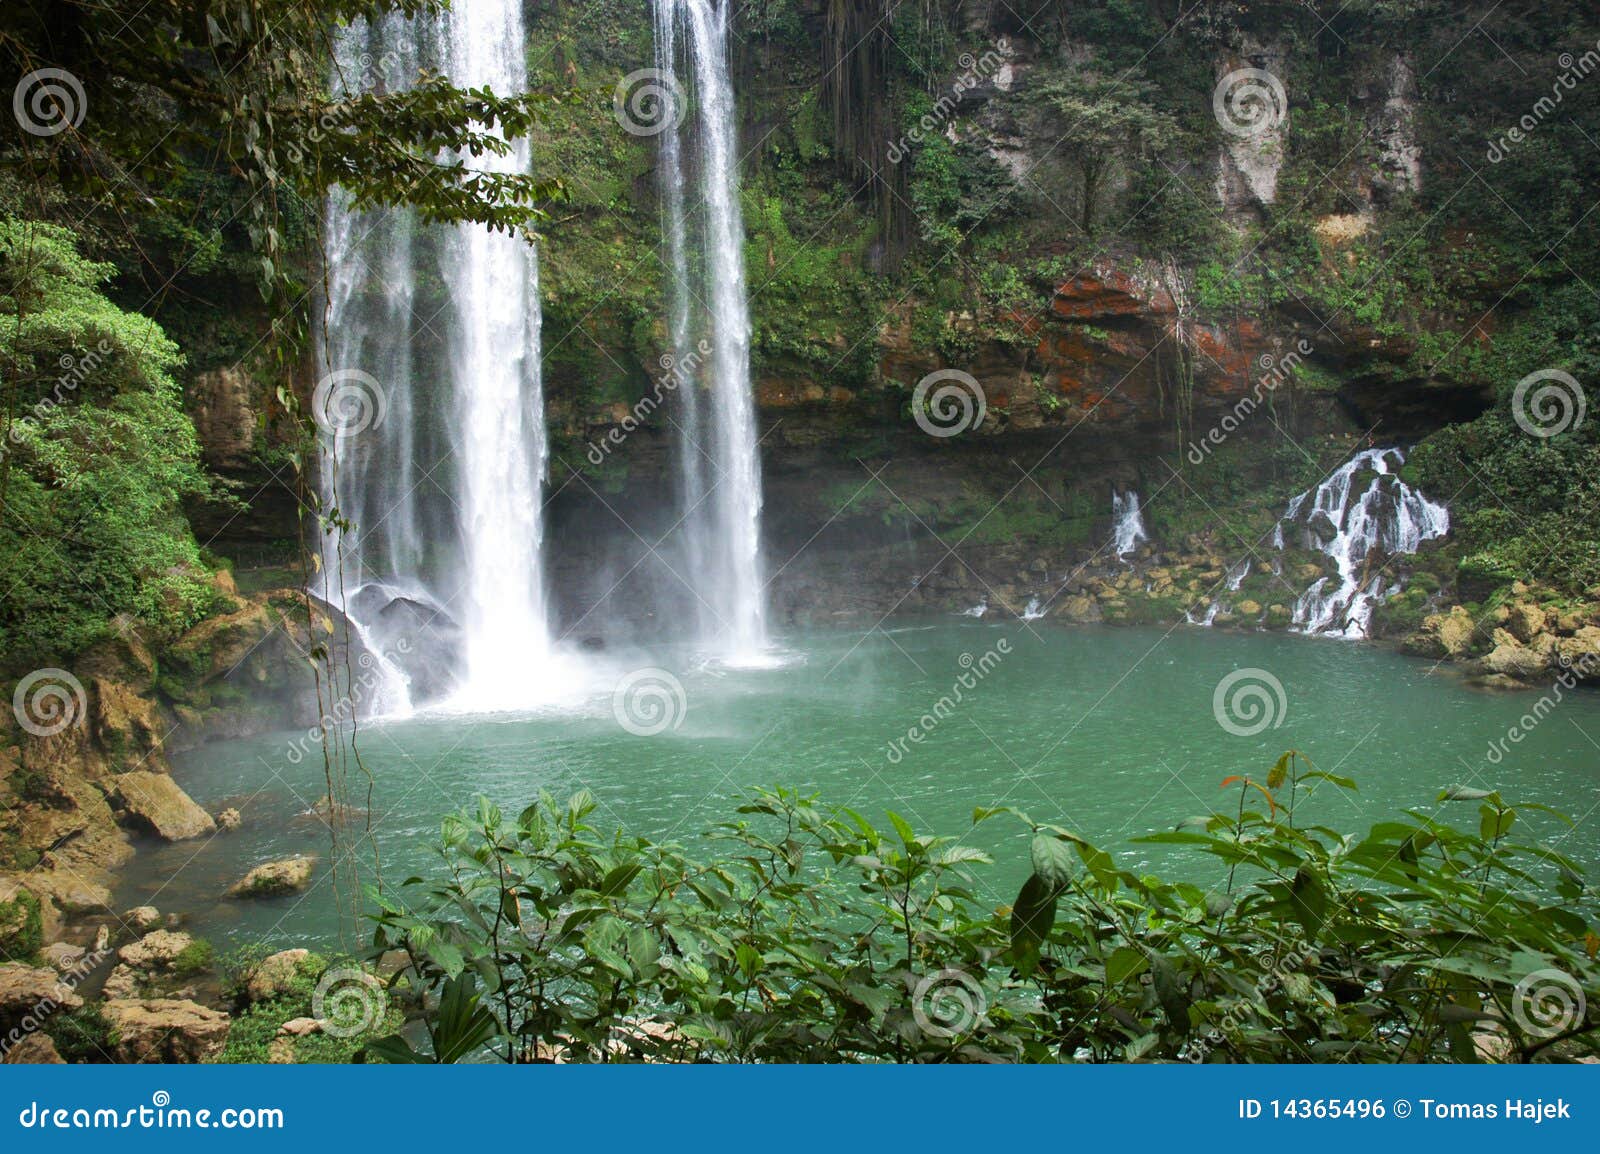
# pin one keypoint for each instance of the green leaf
(1125, 962)
(1052, 860)
(1488, 822)
(1309, 901)
(1033, 915)
(1465, 793)
(618, 880)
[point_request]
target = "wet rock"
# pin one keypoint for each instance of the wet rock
(1581, 652)
(63, 957)
(1514, 660)
(142, 919)
(122, 982)
(31, 991)
(1078, 609)
(275, 975)
(35, 1049)
(1525, 621)
(165, 1030)
(154, 801)
(1443, 635)
(1248, 609)
(300, 1027)
(1279, 617)
(275, 878)
(157, 950)
(229, 820)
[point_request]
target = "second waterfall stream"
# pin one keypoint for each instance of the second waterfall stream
(708, 311)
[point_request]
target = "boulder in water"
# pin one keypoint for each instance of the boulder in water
(154, 801)
(274, 878)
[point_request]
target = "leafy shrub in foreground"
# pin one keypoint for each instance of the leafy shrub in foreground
(814, 936)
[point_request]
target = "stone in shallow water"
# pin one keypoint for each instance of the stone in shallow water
(275, 878)
(142, 919)
(154, 800)
(157, 950)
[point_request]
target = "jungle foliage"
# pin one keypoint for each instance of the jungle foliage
(806, 933)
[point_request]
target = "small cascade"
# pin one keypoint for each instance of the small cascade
(1358, 534)
(977, 610)
(1127, 523)
(1235, 578)
(1033, 610)
(719, 461)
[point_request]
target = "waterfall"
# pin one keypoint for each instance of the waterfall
(719, 462)
(1127, 523)
(1033, 610)
(362, 405)
(440, 493)
(496, 378)
(1389, 518)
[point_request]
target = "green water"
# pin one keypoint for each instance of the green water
(1110, 732)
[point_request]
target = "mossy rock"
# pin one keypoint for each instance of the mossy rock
(21, 928)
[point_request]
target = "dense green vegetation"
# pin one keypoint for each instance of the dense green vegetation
(98, 456)
(805, 933)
